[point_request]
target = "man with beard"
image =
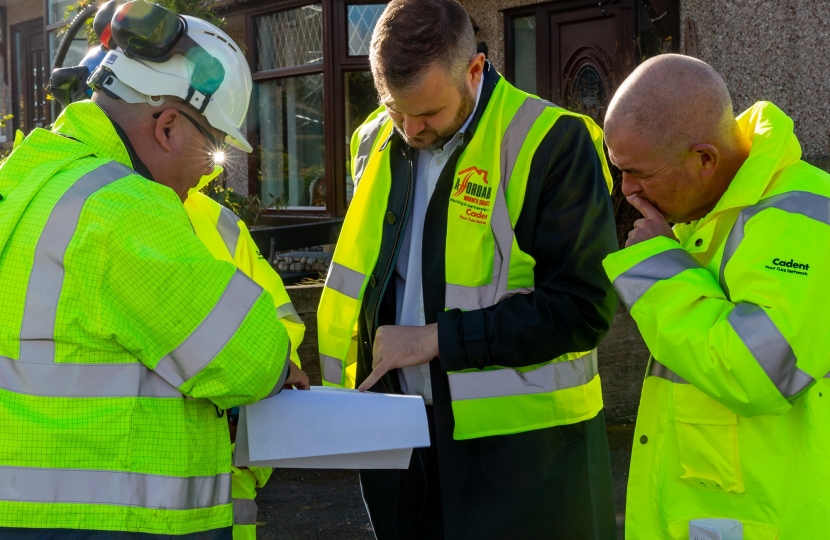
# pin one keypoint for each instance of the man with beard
(468, 272)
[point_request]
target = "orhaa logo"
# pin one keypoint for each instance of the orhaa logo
(464, 185)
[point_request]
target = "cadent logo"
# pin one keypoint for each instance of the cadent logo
(467, 183)
(790, 266)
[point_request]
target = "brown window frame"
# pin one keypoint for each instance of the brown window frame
(336, 63)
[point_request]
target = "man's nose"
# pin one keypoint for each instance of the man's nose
(411, 126)
(630, 185)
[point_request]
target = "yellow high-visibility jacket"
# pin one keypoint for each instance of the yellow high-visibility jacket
(228, 239)
(734, 420)
(113, 316)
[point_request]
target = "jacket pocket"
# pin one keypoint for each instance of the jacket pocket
(679, 529)
(707, 441)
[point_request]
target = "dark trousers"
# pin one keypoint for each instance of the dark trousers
(548, 484)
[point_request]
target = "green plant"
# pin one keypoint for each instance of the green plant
(249, 209)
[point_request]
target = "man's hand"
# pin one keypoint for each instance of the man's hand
(401, 346)
(296, 378)
(651, 226)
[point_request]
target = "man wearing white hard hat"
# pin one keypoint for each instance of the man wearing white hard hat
(122, 338)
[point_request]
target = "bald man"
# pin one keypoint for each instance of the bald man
(734, 304)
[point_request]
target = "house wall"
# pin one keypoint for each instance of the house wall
(771, 50)
(490, 22)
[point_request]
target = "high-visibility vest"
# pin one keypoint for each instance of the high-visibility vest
(244, 485)
(120, 336)
(484, 265)
(228, 239)
(734, 419)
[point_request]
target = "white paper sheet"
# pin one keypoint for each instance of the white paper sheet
(330, 428)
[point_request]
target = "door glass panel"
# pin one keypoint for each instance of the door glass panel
(362, 21)
(361, 100)
(290, 38)
(77, 49)
(291, 147)
(524, 53)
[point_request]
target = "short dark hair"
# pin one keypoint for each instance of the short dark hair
(412, 36)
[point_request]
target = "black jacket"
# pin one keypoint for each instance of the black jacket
(567, 225)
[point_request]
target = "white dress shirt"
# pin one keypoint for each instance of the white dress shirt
(415, 380)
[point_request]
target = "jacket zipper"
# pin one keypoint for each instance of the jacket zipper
(398, 238)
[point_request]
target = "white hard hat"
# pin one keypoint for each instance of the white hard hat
(221, 94)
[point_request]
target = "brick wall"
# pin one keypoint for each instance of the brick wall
(622, 355)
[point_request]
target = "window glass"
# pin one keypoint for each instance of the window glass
(291, 142)
(57, 10)
(19, 108)
(362, 21)
(77, 49)
(361, 100)
(524, 53)
(290, 38)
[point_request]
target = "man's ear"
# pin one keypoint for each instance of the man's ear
(167, 128)
(476, 69)
(708, 159)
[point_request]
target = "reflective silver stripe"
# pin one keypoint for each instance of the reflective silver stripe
(46, 278)
(634, 283)
(470, 298)
(213, 333)
(332, 369)
(244, 512)
(659, 370)
(287, 312)
(509, 382)
(286, 369)
(770, 348)
(368, 134)
(516, 134)
(83, 380)
(807, 204)
(228, 227)
(345, 280)
(23, 484)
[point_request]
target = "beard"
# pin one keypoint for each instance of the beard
(430, 139)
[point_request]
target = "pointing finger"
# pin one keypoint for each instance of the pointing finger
(374, 377)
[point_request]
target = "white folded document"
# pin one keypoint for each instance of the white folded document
(331, 428)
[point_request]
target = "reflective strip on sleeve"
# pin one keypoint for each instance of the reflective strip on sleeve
(811, 205)
(83, 380)
(345, 280)
(332, 369)
(368, 134)
(659, 370)
(509, 382)
(244, 512)
(287, 312)
(46, 278)
(214, 332)
(770, 348)
(634, 283)
(286, 369)
(23, 484)
(228, 227)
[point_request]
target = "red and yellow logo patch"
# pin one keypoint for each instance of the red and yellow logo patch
(473, 192)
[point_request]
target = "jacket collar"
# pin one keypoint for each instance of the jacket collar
(774, 148)
(87, 123)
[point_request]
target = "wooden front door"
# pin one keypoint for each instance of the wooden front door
(583, 48)
(29, 76)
